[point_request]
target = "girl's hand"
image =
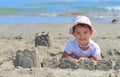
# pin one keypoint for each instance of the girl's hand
(80, 59)
(83, 58)
(77, 61)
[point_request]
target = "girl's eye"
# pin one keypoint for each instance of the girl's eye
(85, 32)
(78, 33)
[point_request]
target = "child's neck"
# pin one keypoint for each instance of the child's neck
(84, 47)
(87, 45)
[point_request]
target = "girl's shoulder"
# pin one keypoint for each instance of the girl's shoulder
(73, 41)
(93, 44)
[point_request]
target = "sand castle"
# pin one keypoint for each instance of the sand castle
(28, 58)
(43, 39)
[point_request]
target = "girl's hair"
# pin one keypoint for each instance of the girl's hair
(82, 25)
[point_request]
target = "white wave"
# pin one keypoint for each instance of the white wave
(115, 8)
(45, 14)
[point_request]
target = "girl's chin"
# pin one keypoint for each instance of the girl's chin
(83, 43)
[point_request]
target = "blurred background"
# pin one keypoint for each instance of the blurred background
(57, 11)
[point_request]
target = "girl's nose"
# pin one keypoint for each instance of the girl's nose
(82, 35)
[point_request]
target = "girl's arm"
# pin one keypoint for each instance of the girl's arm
(65, 54)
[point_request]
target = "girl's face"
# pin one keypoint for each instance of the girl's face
(82, 34)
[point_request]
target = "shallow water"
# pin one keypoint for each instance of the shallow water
(57, 11)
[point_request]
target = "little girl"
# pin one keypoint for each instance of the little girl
(82, 46)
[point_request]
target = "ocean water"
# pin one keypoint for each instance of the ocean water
(57, 11)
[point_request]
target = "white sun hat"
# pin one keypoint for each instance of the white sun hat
(80, 20)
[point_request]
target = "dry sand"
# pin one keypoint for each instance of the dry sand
(14, 37)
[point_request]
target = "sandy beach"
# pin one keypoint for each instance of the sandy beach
(15, 37)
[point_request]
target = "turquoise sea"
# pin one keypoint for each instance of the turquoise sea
(57, 11)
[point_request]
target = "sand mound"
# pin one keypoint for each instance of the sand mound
(26, 58)
(43, 39)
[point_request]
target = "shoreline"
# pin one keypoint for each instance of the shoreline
(54, 19)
